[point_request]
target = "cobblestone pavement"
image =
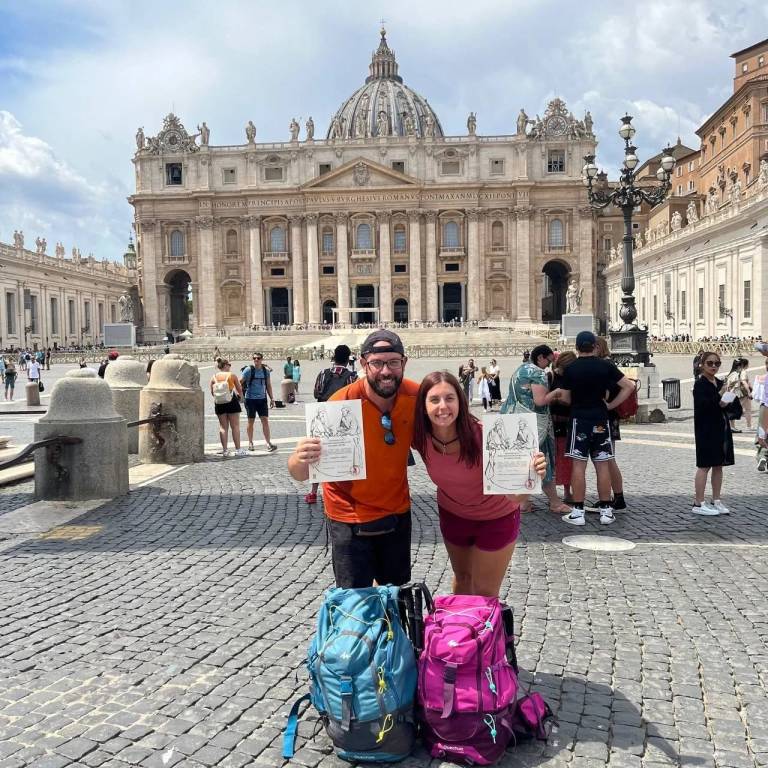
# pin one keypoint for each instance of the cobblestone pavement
(168, 627)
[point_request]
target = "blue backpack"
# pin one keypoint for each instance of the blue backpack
(362, 677)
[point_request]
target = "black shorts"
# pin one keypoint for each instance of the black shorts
(233, 406)
(590, 439)
(253, 407)
(363, 553)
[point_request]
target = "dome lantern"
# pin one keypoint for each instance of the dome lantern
(383, 63)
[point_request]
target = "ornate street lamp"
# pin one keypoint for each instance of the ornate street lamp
(630, 342)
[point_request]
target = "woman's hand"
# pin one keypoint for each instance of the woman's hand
(308, 450)
(539, 464)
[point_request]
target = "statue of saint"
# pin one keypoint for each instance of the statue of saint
(310, 126)
(691, 213)
(588, 123)
(677, 221)
(573, 298)
(140, 140)
(59, 250)
(382, 124)
(763, 177)
(250, 132)
(471, 124)
(125, 303)
(522, 122)
(408, 124)
(429, 127)
(18, 238)
(205, 134)
(361, 125)
(38, 245)
(294, 129)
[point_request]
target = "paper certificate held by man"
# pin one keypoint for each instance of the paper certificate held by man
(509, 443)
(339, 425)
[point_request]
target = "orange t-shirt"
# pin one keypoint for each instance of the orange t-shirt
(385, 488)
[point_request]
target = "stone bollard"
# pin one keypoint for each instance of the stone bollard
(81, 406)
(32, 389)
(174, 384)
(126, 377)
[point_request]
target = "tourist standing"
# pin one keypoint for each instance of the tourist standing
(33, 371)
(484, 389)
(296, 375)
(734, 385)
(467, 376)
(495, 381)
(746, 392)
(369, 521)
(479, 531)
(257, 387)
(328, 381)
(561, 420)
(2, 368)
(714, 442)
(529, 393)
(48, 359)
(586, 382)
(226, 392)
(760, 394)
(10, 379)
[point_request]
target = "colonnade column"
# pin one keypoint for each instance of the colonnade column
(414, 256)
(523, 264)
(433, 311)
(473, 267)
(313, 270)
(254, 270)
(297, 270)
(207, 317)
(586, 262)
(385, 268)
(146, 238)
(342, 265)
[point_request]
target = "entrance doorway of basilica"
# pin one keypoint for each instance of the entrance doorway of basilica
(365, 296)
(555, 285)
(328, 306)
(452, 308)
(400, 314)
(279, 313)
(180, 300)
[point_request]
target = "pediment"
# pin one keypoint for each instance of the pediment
(361, 174)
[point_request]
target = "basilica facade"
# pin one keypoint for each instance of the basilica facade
(386, 219)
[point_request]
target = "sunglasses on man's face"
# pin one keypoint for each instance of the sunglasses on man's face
(386, 423)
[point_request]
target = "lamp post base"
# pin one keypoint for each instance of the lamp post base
(629, 346)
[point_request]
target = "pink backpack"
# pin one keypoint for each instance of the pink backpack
(467, 688)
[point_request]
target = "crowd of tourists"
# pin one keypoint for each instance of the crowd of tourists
(31, 362)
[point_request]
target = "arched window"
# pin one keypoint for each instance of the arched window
(556, 234)
(450, 234)
(327, 240)
(497, 234)
(363, 238)
(177, 243)
(401, 311)
(400, 241)
(277, 239)
(231, 241)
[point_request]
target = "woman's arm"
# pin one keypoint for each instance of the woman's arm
(238, 386)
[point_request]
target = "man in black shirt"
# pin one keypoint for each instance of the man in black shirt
(586, 383)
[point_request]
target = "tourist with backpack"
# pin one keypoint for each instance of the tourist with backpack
(369, 521)
(257, 386)
(227, 392)
(479, 531)
(328, 381)
(586, 384)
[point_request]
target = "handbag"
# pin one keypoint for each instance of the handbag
(734, 411)
(40, 386)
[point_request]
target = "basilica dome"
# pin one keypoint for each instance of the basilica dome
(384, 106)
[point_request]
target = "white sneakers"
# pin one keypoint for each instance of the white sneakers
(575, 517)
(710, 510)
(607, 516)
(241, 452)
(720, 507)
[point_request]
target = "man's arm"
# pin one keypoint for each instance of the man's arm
(626, 387)
(269, 392)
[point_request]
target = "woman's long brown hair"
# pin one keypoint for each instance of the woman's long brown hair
(470, 449)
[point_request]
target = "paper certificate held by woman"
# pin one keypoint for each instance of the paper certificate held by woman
(339, 425)
(509, 443)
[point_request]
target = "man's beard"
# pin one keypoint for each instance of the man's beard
(385, 388)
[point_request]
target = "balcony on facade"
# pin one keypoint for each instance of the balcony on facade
(276, 257)
(170, 260)
(451, 252)
(363, 254)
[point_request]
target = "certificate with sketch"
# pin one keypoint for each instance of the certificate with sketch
(339, 425)
(509, 443)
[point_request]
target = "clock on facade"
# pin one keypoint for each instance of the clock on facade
(556, 125)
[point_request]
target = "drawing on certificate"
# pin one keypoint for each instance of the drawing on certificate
(509, 442)
(339, 425)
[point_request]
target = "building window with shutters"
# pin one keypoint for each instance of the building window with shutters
(747, 299)
(277, 239)
(451, 235)
(400, 243)
(721, 301)
(556, 235)
(177, 243)
(363, 241)
(327, 240)
(231, 242)
(701, 303)
(556, 161)
(497, 235)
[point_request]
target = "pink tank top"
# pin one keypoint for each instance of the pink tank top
(460, 488)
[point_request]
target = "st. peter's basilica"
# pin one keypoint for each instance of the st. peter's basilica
(385, 219)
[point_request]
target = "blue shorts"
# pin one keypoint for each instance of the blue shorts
(255, 406)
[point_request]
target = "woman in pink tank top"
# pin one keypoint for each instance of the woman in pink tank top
(479, 531)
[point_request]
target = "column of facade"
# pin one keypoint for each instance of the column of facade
(342, 265)
(414, 257)
(510, 261)
(207, 275)
(473, 266)
(149, 256)
(297, 270)
(385, 268)
(313, 270)
(433, 310)
(586, 262)
(523, 264)
(254, 270)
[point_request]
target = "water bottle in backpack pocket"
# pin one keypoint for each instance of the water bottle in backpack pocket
(362, 676)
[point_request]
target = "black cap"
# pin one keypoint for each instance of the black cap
(585, 341)
(392, 339)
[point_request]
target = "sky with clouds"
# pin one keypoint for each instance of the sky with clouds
(77, 77)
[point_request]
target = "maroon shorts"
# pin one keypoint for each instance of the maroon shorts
(488, 535)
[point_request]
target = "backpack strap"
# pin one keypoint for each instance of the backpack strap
(289, 737)
(449, 689)
(346, 703)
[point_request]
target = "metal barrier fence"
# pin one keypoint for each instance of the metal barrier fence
(53, 447)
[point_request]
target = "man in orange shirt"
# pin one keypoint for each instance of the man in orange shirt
(369, 520)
